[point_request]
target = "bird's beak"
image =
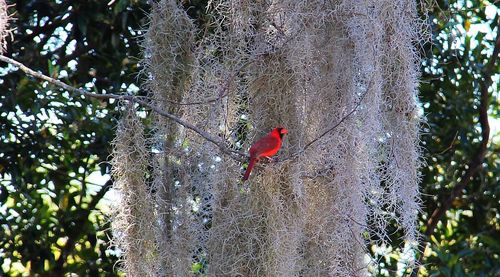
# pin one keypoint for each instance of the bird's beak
(284, 131)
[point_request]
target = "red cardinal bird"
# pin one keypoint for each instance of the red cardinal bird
(265, 147)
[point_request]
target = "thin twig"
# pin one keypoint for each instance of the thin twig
(451, 144)
(344, 118)
(135, 99)
(224, 90)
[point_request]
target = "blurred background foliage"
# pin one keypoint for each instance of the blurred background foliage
(467, 241)
(54, 146)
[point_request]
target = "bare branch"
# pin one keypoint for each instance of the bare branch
(451, 144)
(224, 90)
(135, 99)
(344, 118)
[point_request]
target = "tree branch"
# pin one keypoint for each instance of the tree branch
(218, 142)
(475, 163)
(342, 119)
(223, 92)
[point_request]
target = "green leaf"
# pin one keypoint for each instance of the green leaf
(82, 23)
(120, 5)
(490, 241)
(196, 267)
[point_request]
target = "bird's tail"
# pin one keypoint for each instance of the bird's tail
(249, 168)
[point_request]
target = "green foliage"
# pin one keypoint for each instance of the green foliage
(466, 243)
(51, 222)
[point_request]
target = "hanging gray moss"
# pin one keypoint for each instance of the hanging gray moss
(133, 217)
(4, 25)
(304, 65)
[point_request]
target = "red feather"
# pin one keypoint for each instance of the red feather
(249, 169)
(265, 147)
